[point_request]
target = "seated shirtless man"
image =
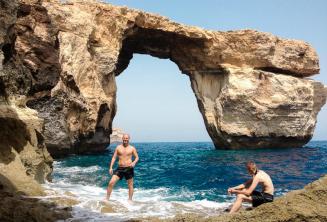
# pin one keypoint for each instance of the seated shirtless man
(245, 192)
(125, 166)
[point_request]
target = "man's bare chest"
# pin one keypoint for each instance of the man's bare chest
(124, 151)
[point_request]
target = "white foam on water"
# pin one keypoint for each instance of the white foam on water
(147, 203)
(76, 169)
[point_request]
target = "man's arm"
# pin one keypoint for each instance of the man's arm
(113, 159)
(136, 157)
(249, 190)
(240, 187)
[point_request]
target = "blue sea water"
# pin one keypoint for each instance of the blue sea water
(188, 176)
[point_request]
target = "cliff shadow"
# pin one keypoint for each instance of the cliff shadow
(13, 134)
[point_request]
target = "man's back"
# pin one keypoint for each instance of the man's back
(266, 182)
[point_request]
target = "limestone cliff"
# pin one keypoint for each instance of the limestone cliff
(24, 159)
(116, 135)
(251, 87)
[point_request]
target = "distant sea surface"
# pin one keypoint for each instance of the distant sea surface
(182, 177)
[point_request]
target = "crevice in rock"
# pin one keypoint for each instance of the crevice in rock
(23, 10)
(14, 133)
(70, 82)
(40, 139)
(101, 114)
(8, 52)
(278, 71)
(3, 92)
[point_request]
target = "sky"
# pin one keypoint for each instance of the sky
(155, 101)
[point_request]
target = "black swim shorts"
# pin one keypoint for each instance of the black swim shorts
(127, 172)
(259, 198)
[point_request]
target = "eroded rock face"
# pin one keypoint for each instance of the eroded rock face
(254, 108)
(24, 159)
(15, 208)
(250, 86)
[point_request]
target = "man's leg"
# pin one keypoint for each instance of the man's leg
(130, 188)
(111, 185)
(238, 203)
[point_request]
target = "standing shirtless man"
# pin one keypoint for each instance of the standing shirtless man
(125, 166)
(245, 192)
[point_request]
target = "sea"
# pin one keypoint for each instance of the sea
(173, 178)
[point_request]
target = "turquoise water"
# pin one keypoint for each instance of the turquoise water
(193, 173)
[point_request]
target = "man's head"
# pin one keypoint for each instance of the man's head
(125, 139)
(251, 167)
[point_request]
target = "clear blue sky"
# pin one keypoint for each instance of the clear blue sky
(155, 101)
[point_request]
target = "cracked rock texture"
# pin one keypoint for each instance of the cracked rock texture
(24, 159)
(251, 87)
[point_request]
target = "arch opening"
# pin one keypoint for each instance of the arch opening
(156, 105)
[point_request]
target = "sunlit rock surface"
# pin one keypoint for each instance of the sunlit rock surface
(249, 85)
(116, 135)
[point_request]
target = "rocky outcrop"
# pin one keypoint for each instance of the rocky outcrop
(250, 86)
(26, 209)
(24, 159)
(308, 204)
(253, 108)
(116, 135)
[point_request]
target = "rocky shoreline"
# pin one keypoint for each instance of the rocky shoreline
(307, 204)
(18, 208)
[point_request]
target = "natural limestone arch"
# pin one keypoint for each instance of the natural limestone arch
(250, 86)
(208, 82)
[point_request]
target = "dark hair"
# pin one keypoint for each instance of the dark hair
(252, 167)
(250, 163)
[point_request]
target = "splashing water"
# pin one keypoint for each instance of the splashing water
(177, 178)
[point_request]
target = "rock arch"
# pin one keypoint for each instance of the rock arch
(250, 86)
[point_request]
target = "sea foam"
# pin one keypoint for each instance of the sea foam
(147, 203)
